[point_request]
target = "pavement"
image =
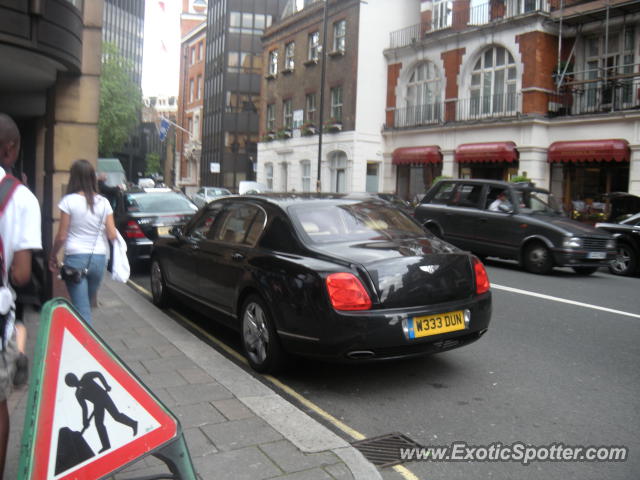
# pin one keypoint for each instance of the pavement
(235, 426)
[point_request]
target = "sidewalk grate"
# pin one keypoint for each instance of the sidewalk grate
(384, 451)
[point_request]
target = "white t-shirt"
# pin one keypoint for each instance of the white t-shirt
(20, 223)
(85, 225)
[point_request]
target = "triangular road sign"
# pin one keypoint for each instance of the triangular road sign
(88, 415)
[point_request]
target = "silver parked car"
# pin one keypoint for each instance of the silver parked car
(206, 194)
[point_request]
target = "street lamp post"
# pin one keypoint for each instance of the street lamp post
(322, 79)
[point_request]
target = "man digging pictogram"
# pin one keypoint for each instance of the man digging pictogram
(87, 389)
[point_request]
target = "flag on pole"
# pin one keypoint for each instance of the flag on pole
(163, 129)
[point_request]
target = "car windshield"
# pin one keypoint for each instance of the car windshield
(361, 221)
(537, 201)
(166, 202)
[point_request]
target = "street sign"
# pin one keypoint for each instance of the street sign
(88, 415)
(163, 129)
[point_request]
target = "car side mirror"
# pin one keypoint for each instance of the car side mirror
(176, 231)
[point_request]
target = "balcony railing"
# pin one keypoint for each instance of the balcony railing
(481, 14)
(419, 115)
(596, 96)
(476, 108)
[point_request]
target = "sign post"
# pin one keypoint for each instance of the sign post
(88, 415)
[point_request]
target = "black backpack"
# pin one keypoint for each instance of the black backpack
(8, 185)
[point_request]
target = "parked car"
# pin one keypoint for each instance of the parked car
(205, 194)
(323, 276)
(143, 215)
(528, 226)
(627, 234)
(249, 187)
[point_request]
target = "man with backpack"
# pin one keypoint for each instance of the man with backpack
(19, 235)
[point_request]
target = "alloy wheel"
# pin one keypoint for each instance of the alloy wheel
(255, 333)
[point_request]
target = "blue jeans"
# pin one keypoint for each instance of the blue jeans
(82, 293)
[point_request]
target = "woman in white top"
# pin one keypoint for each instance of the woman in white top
(86, 226)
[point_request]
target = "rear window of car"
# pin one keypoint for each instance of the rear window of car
(166, 202)
(353, 222)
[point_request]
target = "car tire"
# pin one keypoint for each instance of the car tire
(159, 292)
(626, 261)
(259, 338)
(585, 270)
(538, 259)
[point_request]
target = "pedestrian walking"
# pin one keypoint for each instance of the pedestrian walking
(19, 235)
(85, 230)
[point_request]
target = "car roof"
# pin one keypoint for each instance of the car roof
(501, 183)
(284, 200)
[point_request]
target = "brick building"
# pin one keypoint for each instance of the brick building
(502, 88)
(346, 115)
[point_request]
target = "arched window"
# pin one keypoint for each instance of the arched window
(493, 83)
(423, 99)
(338, 166)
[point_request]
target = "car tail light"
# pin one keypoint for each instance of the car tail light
(133, 230)
(482, 279)
(346, 292)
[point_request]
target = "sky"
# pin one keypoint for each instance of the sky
(161, 55)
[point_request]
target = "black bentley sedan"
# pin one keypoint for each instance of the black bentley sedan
(323, 276)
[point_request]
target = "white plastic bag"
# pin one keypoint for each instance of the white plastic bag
(120, 269)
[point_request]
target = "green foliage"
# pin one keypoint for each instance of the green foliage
(441, 177)
(152, 164)
(120, 102)
(519, 178)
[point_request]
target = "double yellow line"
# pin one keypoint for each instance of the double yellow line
(405, 472)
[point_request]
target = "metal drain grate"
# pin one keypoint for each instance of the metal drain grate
(384, 451)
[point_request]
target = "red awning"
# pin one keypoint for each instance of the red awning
(486, 152)
(417, 155)
(614, 150)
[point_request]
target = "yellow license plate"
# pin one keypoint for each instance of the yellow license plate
(163, 230)
(436, 324)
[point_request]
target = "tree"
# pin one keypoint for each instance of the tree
(152, 164)
(120, 102)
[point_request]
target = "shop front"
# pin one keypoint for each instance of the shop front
(589, 171)
(494, 161)
(416, 169)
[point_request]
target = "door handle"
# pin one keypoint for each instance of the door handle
(237, 257)
(194, 246)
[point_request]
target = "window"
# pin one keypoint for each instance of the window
(305, 169)
(200, 52)
(193, 55)
(191, 92)
(284, 176)
(268, 173)
(619, 61)
(203, 227)
(442, 14)
(287, 113)
(339, 36)
(273, 62)
(423, 99)
(336, 104)
(310, 108)
(313, 43)
(289, 51)
(493, 83)
(199, 87)
(271, 117)
(338, 166)
(241, 224)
